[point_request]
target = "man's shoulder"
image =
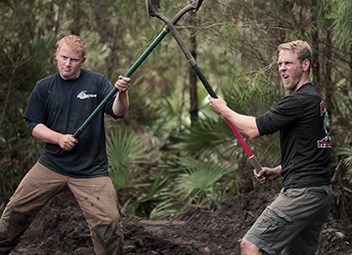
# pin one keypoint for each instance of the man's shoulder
(93, 77)
(47, 78)
(46, 83)
(90, 74)
(308, 94)
(307, 89)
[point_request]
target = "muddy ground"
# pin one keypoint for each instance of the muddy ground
(60, 229)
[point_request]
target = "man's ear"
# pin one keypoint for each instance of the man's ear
(56, 54)
(84, 59)
(306, 64)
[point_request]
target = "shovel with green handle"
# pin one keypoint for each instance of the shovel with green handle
(193, 6)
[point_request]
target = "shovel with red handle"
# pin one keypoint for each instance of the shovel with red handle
(153, 11)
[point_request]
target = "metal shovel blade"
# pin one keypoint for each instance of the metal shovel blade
(152, 7)
(198, 4)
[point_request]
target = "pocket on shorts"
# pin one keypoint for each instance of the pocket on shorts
(294, 193)
(320, 192)
(267, 230)
(270, 224)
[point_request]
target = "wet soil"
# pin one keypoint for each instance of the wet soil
(60, 229)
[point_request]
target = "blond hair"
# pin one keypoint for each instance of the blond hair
(301, 48)
(73, 41)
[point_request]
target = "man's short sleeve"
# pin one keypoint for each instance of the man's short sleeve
(287, 111)
(35, 110)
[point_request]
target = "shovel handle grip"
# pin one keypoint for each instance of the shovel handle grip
(77, 133)
(255, 163)
(204, 80)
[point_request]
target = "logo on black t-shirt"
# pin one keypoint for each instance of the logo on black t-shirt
(83, 95)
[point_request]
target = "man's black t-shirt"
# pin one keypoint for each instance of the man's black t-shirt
(63, 106)
(305, 138)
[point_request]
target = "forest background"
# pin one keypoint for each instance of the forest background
(171, 151)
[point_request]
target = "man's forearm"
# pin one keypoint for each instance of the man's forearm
(45, 134)
(121, 104)
(245, 124)
(278, 168)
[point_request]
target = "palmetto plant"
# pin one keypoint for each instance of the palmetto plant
(204, 137)
(127, 152)
(346, 152)
(183, 183)
(198, 183)
(343, 137)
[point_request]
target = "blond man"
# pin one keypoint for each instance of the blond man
(59, 104)
(293, 221)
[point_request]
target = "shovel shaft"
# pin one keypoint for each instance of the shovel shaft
(255, 163)
(192, 6)
(129, 73)
(209, 89)
(204, 81)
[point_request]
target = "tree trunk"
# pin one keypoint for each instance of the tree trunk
(316, 62)
(348, 86)
(329, 88)
(315, 45)
(76, 26)
(193, 76)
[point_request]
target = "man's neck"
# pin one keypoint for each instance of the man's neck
(73, 78)
(302, 83)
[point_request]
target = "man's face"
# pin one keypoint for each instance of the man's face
(291, 70)
(69, 62)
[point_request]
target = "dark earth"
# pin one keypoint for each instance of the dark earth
(59, 228)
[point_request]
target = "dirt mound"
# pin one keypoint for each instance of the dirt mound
(60, 229)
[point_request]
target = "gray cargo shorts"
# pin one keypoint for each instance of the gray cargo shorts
(292, 222)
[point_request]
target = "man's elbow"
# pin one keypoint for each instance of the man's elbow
(253, 134)
(120, 113)
(31, 127)
(36, 131)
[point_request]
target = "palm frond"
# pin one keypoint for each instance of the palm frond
(346, 152)
(205, 136)
(126, 152)
(186, 182)
(198, 182)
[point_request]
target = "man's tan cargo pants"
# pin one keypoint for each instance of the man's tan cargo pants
(96, 197)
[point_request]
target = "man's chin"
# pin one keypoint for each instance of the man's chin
(285, 85)
(67, 76)
(288, 87)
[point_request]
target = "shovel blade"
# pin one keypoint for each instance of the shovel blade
(153, 7)
(197, 3)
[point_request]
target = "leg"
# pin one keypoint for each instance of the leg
(292, 221)
(307, 241)
(248, 248)
(266, 234)
(98, 201)
(35, 189)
